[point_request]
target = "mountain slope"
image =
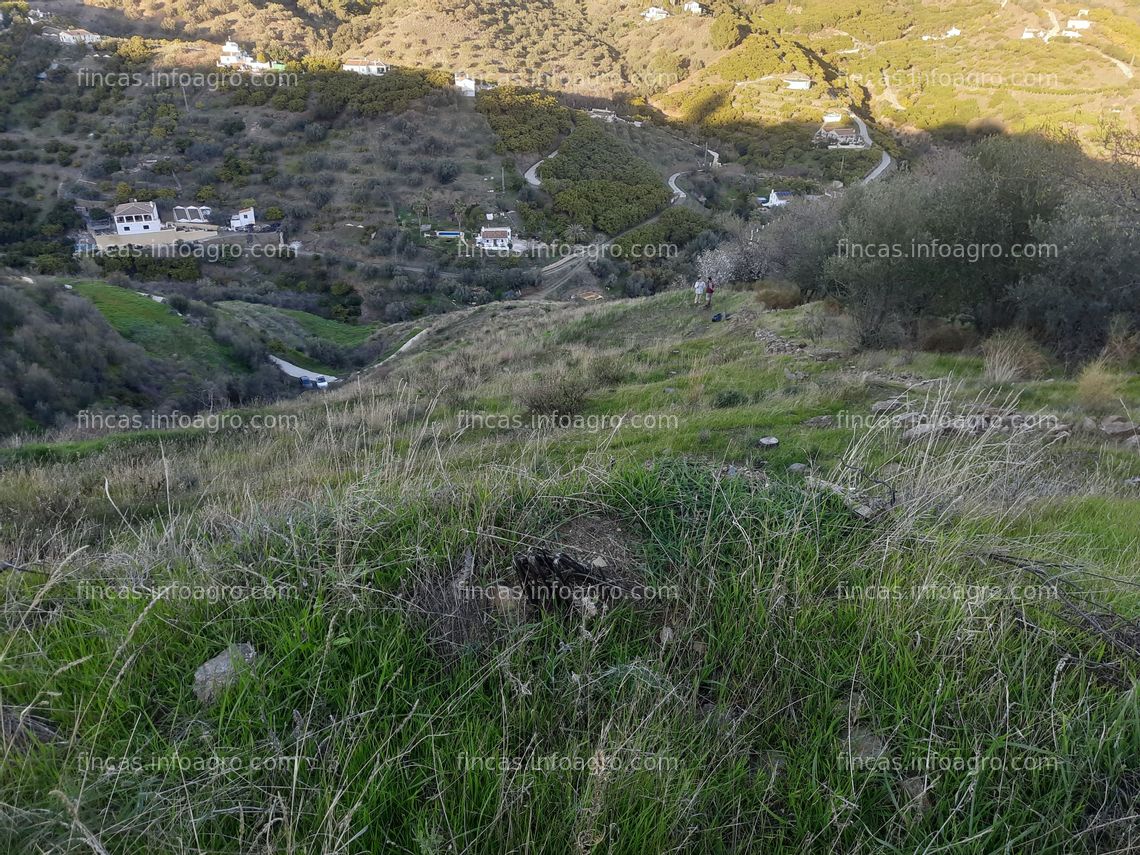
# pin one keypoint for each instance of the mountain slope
(795, 657)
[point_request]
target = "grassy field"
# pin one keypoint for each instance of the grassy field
(334, 331)
(776, 672)
(154, 327)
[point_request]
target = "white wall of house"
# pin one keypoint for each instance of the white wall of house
(243, 218)
(494, 238)
(372, 68)
(138, 223)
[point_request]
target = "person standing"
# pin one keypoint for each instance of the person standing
(699, 290)
(709, 288)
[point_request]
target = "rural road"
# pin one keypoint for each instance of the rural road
(1056, 28)
(680, 194)
(297, 371)
(884, 163)
(531, 175)
(1125, 69)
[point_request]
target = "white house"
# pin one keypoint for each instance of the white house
(243, 219)
(494, 237)
(196, 214)
(607, 116)
(233, 56)
(797, 80)
(1070, 34)
(840, 136)
(79, 37)
(1030, 33)
(655, 13)
(693, 8)
(832, 117)
(367, 67)
(1078, 24)
(465, 84)
(135, 217)
(949, 34)
(777, 199)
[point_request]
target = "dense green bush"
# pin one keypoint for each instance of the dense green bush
(524, 120)
(1022, 230)
(597, 182)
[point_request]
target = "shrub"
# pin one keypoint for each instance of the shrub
(726, 32)
(1098, 387)
(557, 394)
(947, 338)
(1012, 355)
(778, 295)
(607, 370)
(1123, 344)
(729, 398)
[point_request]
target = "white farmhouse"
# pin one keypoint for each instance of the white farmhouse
(777, 199)
(494, 237)
(465, 84)
(693, 7)
(243, 219)
(797, 80)
(655, 13)
(233, 56)
(832, 117)
(367, 67)
(79, 37)
(1078, 24)
(135, 217)
(949, 34)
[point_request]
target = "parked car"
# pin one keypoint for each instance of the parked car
(322, 382)
(306, 383)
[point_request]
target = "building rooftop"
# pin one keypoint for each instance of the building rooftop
(135, 207)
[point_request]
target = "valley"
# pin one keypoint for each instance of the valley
(451, 427)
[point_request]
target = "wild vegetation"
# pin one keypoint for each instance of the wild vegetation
(116, 349)
(1021, 231)
(597, 182)
(524, 120)
(764, 697)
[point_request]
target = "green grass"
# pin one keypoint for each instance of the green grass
(69, 452)
(349, 335)
(154, 327)
(414, 719)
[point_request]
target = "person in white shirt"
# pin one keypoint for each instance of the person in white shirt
(699, 291)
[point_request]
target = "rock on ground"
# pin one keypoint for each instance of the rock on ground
(222, 671)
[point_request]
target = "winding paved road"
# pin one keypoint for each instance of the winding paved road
(297, 371)
(680, 194)
(884, 163)
(531, 175)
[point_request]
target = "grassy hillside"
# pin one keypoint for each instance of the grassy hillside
(885, 666)
(155, 327)
(895, 60)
